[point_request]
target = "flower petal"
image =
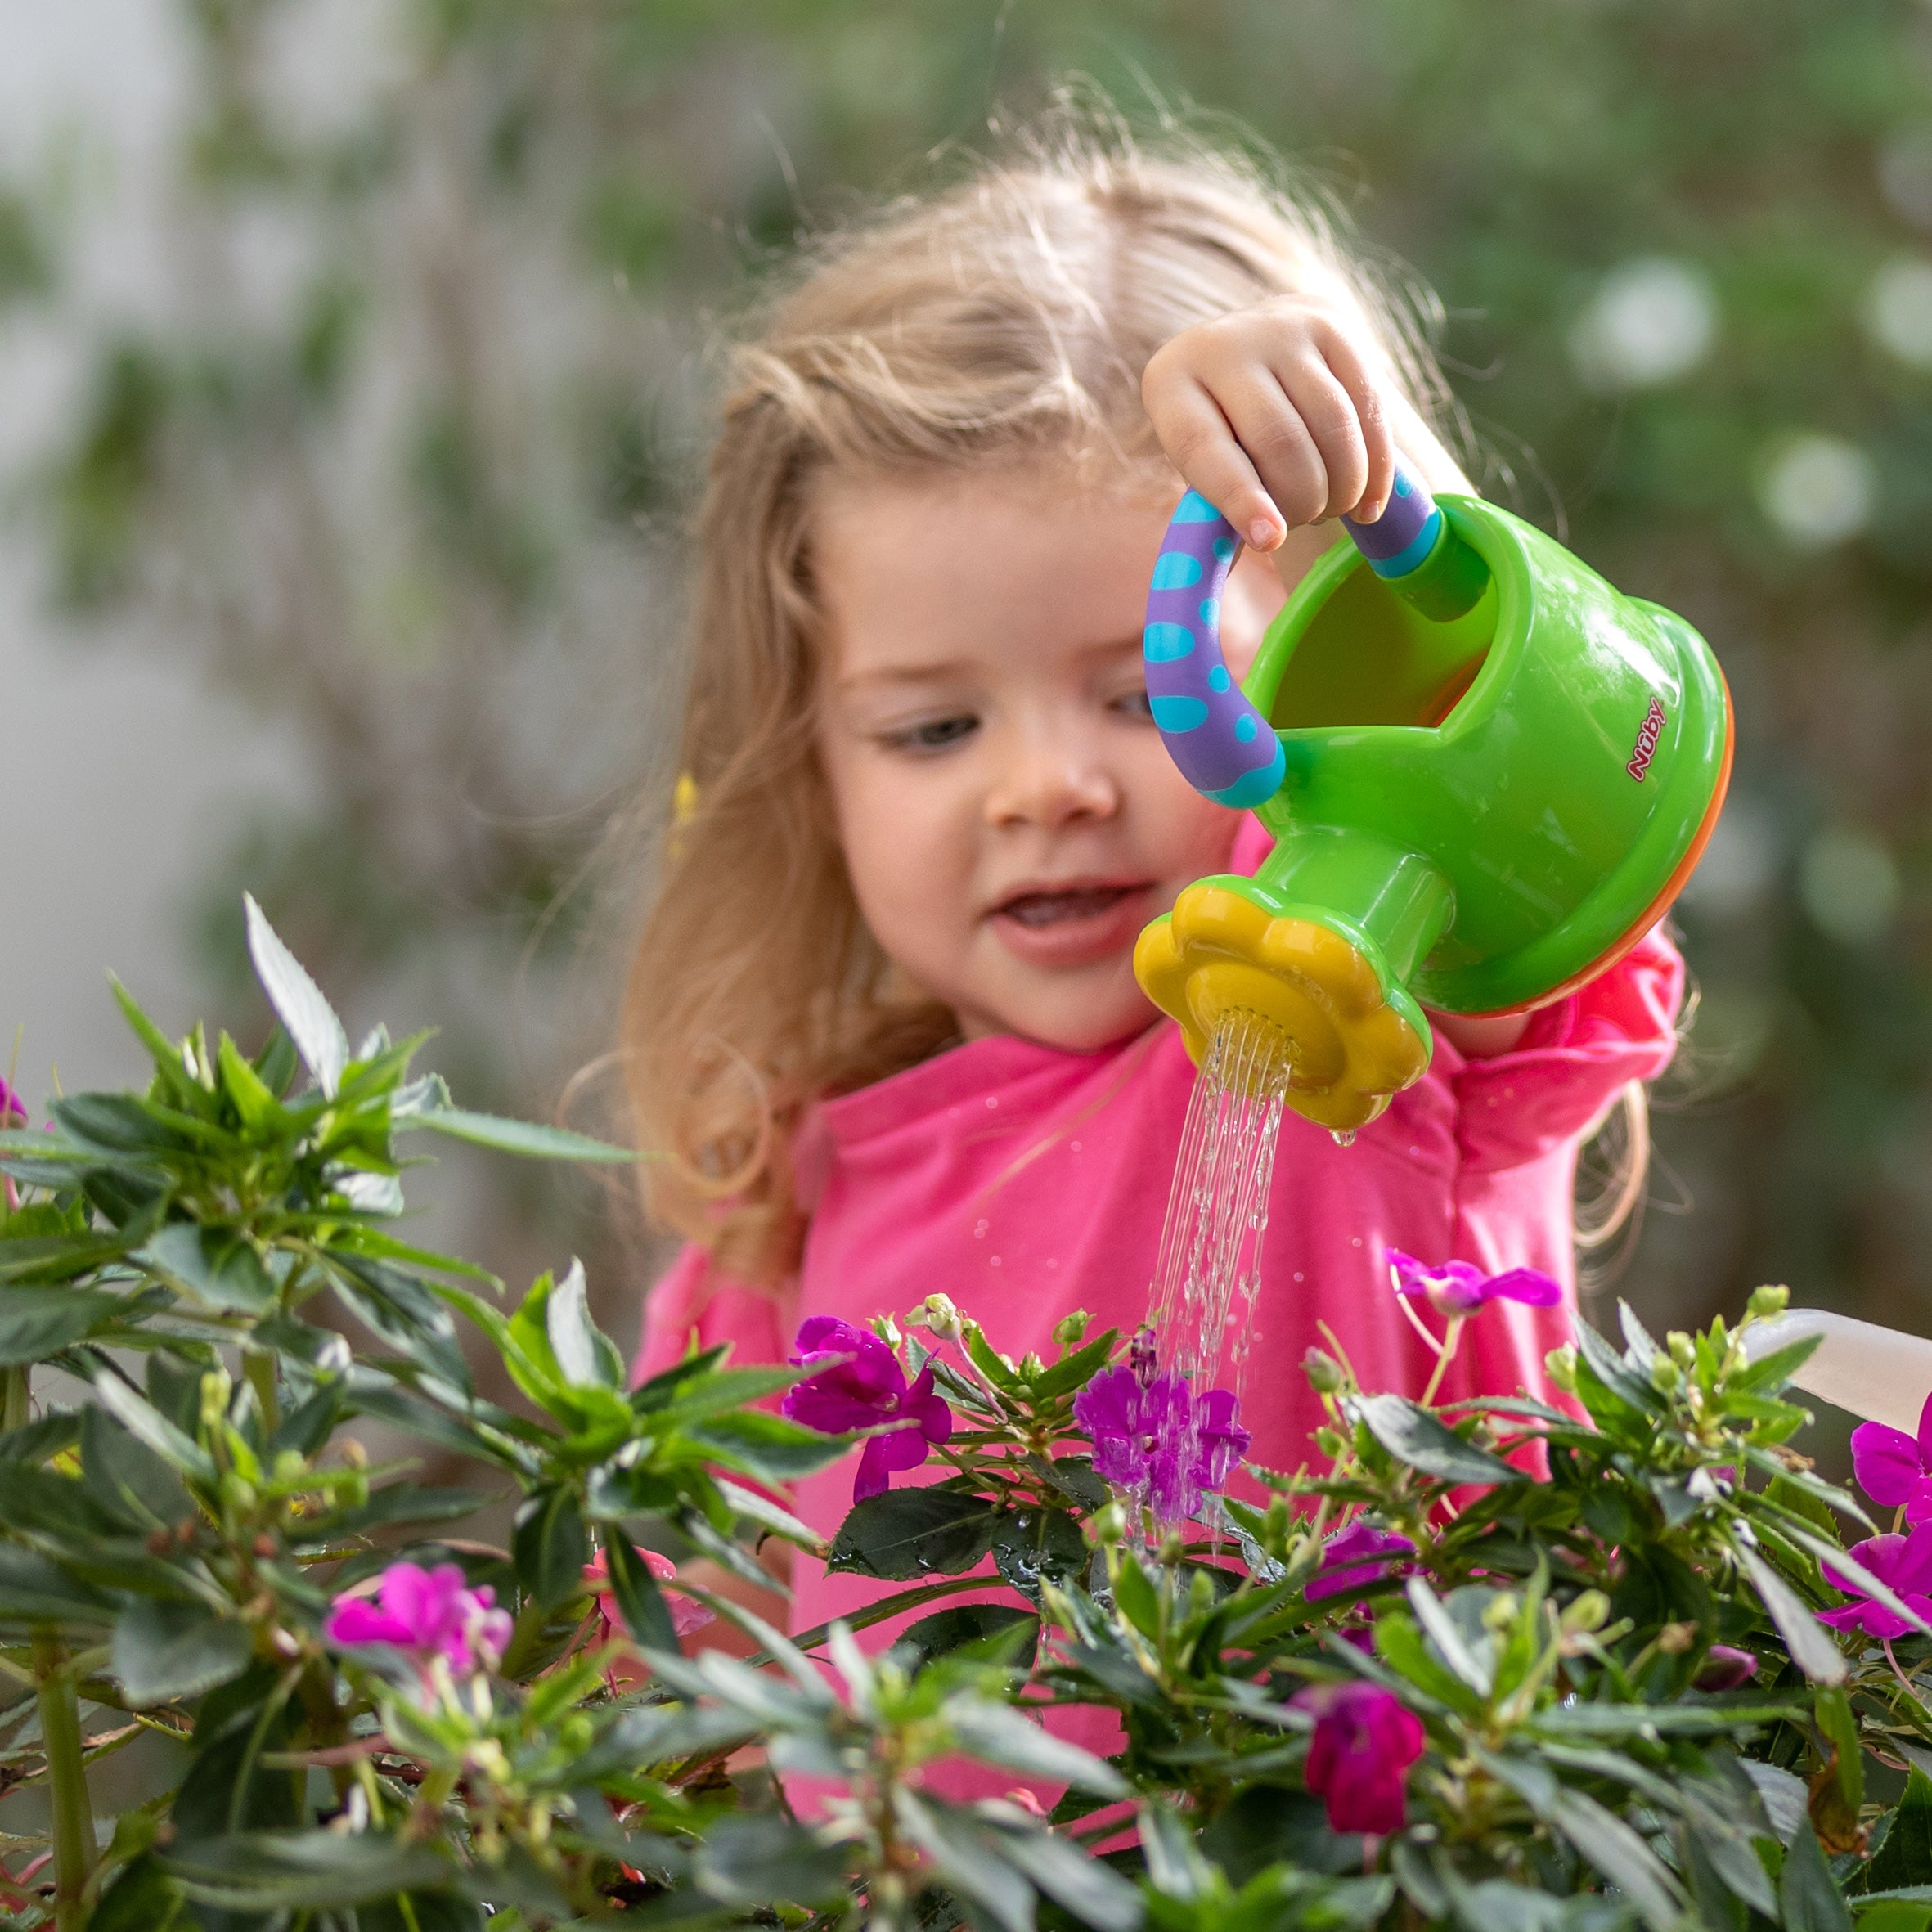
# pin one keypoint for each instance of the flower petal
(1885, 1463)
(1529, 1286)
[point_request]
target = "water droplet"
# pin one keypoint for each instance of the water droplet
(1344, 1137)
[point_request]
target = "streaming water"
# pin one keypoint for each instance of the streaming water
(1209, 1269)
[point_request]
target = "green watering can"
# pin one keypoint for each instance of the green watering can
(1487, 774)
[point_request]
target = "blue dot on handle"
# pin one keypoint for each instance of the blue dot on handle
(1218, 679)
(1244, 729)
(1194, 508)
(1162, 643)
(1404, 486)
(1178, 714)
(1174, 570)
(1211, 611)
(1224, 547)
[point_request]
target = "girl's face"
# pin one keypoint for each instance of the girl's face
(1008, 815)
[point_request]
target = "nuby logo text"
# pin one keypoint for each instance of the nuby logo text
(1646, 742)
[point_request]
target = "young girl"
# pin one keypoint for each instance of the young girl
(883, 1023)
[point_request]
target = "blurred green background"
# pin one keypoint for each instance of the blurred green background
(374, 433)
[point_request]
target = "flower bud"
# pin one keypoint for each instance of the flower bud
(1588, 1611)
(1107, 1525)
(1501, 1612)
(887, 1330)
(1684, 1351)
(1032, 1368)
(1772, 1298)
(1324, 1372)
(1560, 1365)
(1331, 1442)
(1069, 1331)
(1674, 1639)
(1666, 1378)
(940, 1314)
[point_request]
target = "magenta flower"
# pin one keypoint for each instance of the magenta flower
(1459, 1288)
(1724, 1668)
(1904, 1565)
(12, 1107)
(1893, 1469)
(1354, 1558)
(1159, 1440)
(868, 1391)
(1365, 1740)
(687, 1613)
(430, 1612)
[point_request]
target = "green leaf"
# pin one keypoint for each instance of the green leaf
(1075, 1371)
(1809, 1642)
(745, 1502)
(752, 1859)
(1905, 1858)
(1413, 1435)
(263, 1115)
(550, 1547)
(33, 1590)
(911, 1533)
(1437, 1620)
(997, 1734)
(959, 1624)
(148, 1425)
(957, 1844)
(145, 1490)
(645, 1611)
(1092, 1890)
(1811, 1901)
(769, 1446)
(166, 1649)
(298, 1001)
(1036, 1546)
(307, 1870)
(121, 1124)
(37, 1323)
(213, 1265)
(583, 1351)
(526, 1138)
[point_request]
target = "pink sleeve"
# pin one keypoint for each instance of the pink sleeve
(693, 1297)
(1572, 1061)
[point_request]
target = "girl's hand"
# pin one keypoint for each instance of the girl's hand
(1275, 415)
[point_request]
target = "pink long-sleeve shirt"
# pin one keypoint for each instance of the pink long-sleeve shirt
(1027, 1182)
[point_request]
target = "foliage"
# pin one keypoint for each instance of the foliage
(1496, 1663)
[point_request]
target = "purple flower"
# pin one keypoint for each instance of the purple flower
(1159, 1440)
(1365, 1740)
(1459, 1288)
(1903, 1564)
(1892, 1468)
(431, 1612)
(1354, 1558)
(867, 1391)
(12, 1107)
(1724, 1669)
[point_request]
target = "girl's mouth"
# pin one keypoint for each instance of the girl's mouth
(1076, 924)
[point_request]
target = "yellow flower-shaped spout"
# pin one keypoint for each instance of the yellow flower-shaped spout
(1351, 1046)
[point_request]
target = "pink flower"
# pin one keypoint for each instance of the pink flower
(1724, 1668)
(430, 1612)
(1459, 1288)
(1158, 1440)
(1365, 1740)
(1355, 1558)
(687, 1613)
(1892, 1468)
(12, 1107)
(864, 1392)
(1904, 1565)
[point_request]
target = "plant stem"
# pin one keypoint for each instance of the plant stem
(75, 1849)
(1452, 1334)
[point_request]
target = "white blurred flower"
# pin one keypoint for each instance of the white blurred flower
(1899, 309)
(1848, 884)
(1735, 876)
(1905, 174)
(1817, 490)
(1651, 320)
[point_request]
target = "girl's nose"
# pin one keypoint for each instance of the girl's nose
(1051, 785)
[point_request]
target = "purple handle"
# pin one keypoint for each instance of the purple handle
(1223, 747)
(1400, 539)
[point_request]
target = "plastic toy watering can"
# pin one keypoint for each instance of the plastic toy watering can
(1487, 774)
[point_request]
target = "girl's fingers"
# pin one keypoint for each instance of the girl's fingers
(1278, 440)
(1205, 449)
(1326, 415)
(1363, 390)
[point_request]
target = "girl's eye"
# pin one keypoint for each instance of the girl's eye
(1133, 703)
(932, 735)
